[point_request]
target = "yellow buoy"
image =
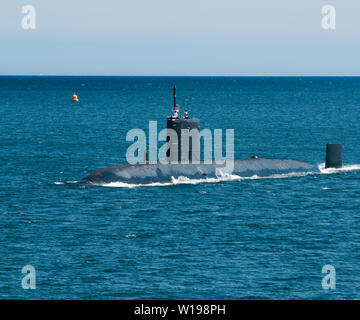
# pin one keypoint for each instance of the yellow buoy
(75, 98)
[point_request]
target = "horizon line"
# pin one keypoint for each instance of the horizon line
(179, 76)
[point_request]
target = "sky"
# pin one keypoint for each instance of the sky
(180, 38)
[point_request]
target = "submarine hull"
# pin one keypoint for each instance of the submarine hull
(163, 173)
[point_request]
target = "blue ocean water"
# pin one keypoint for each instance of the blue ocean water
(245, 239)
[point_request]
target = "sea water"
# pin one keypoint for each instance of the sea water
(226, 238)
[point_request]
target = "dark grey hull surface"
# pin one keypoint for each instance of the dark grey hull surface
(163, 173)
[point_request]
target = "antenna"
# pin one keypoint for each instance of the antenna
(174, 94)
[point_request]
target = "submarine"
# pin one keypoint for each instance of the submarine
(149, 173)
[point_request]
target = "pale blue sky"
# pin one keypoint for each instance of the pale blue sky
(184, 37)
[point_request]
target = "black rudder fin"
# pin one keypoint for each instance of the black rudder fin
(333, 155)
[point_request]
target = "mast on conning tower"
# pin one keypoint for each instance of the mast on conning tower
(174, 94)
(178, 125)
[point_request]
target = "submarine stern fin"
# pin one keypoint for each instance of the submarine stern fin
(333, 155)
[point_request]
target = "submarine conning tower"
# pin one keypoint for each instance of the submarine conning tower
(180, 123)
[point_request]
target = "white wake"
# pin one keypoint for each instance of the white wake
(185, 180)
(351, 167)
